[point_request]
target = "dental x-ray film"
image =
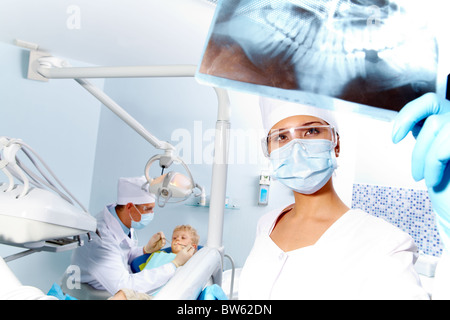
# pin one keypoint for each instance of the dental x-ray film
(376, 54)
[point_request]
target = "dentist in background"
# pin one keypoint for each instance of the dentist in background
(104, 261)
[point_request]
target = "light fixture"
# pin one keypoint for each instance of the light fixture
(172, 186)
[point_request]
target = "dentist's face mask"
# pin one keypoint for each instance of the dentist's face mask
(303, 158)
(146, 218)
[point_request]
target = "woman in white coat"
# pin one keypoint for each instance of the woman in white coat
(104, 262)
(318, 248)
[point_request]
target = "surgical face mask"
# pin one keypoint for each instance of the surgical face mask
(146, 218)
(304, 166)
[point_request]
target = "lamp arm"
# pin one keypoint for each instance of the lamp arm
(125, 116)
(50, 67)
(147, 167)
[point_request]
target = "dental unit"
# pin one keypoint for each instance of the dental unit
(206, 265)
(36, 214)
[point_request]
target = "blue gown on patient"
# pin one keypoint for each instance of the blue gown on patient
(157, 259)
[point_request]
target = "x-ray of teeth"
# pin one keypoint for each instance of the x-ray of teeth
(372, 52)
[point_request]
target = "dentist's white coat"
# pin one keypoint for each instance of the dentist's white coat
(105, 262)
(358, 257)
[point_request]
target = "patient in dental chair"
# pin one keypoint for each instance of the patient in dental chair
(182, 236)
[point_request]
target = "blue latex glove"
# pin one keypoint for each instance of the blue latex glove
(429, 120)
(213, 292)
(57, 292)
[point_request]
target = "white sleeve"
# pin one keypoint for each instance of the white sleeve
(12, 289)
(108, 269)
(134, 253)
(392, 276)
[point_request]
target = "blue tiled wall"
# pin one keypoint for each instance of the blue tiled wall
(408, 209)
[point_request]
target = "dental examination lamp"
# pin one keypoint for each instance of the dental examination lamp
(172, 184)
(35, 213)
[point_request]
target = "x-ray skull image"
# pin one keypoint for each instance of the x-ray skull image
(373, 52)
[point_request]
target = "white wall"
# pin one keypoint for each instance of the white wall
(60, 121)
(370, 157)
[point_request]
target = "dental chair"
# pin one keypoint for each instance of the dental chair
(82, 291)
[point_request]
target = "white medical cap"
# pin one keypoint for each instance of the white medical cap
(130, 190)
(273, 111)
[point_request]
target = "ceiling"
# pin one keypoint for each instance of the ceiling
(111, 32)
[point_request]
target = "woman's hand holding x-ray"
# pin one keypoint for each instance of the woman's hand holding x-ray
(429, 120)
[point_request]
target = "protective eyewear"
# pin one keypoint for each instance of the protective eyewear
(279, 138)
(144, 209)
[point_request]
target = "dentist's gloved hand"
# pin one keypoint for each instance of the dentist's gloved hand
(429, 120)
(183, 256)
(156, 242)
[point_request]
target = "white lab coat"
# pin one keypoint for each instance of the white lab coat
(358, 257)
(105, 262)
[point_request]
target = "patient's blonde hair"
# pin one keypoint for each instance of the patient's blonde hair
(191, 230)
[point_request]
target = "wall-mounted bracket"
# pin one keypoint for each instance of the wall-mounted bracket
(34, 64)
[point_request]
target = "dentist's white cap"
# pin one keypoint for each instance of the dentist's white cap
(131, 190)
(274, 110)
